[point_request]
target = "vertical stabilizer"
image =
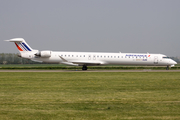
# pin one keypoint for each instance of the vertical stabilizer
(21, 45)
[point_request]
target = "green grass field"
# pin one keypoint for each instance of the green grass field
(90, 96)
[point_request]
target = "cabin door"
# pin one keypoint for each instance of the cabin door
(156, 60)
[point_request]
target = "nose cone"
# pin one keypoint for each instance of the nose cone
(173, 62)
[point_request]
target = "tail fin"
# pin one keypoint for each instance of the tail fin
(21, 45)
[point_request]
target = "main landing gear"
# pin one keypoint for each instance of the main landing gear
(167, 68)
(84, 67)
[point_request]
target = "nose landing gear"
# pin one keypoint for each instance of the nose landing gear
(84, 67)
(167, 68)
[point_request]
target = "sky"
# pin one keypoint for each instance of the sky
(127, 26)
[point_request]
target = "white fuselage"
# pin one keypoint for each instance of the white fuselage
(96, 58)
(90, 58)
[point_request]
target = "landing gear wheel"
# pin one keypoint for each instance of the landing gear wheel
(84, 67)
(167, 68)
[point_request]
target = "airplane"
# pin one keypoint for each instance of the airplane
(85, 59)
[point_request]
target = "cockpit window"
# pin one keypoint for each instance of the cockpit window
(166, 57)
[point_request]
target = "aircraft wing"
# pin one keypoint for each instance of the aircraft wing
(89, 63)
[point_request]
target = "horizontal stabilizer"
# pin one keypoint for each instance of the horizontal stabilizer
(15, 40)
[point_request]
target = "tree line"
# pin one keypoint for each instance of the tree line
(12, 58)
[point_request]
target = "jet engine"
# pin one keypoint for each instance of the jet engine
(44, 54)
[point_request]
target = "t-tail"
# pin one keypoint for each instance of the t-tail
(25, 50)
(21, 45)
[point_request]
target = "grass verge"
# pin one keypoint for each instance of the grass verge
(90, 96)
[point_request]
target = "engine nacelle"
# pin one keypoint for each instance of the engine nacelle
(44, 54)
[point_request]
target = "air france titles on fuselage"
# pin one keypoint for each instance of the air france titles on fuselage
(138, 57)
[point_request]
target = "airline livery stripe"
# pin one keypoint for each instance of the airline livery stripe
(18, 47)
(26, 46)
(23, 47)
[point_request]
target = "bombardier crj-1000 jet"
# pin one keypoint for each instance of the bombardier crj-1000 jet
(85, 59)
